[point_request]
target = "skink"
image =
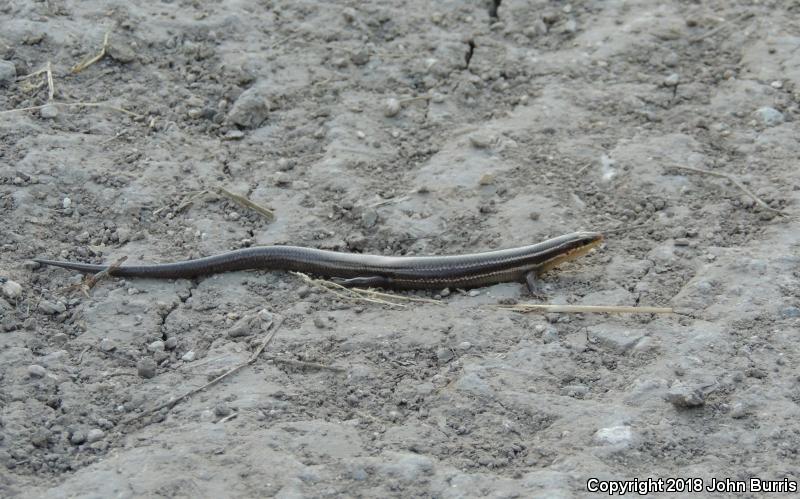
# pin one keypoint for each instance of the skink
(403, 272)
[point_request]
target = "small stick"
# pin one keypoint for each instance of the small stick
(92, 280)
(243, 201)
(736, 182)
(172, 403)
(596, 309)
(88, 62)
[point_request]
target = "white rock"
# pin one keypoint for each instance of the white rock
(614, 435)
(12, 290)
(188, 356)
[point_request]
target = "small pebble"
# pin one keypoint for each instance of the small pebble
(615, 435)
(769, 116)
(146, 367)
(66, 203)
(78, 437)
(391, 107)
(36, 371)
(480, 140)
(681, 242)
(251, 109)
(8, 72)
(51, 308)
(188, 356)
(156, 346)
(171, 343)
(320, 322)
(444, 292)
(49, 111)
(474, 293)
(790, 312)
(222, 410)
(361, 135)
(739, 410)
(106, 345)
(550, 335)
(681, 395)
(776, 84)
(672, 80)
(12, 290)
(95, 435)
(444, 355)
(464, 346)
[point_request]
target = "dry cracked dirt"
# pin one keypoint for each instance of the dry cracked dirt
(398, 128)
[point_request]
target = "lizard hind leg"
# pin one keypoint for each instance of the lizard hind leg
(534, 285)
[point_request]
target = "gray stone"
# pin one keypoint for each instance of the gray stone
(222, 410)
(36, 371)
(682, 395)
(106, 345)
(770, 116)
(672, 80)
(12, 290)
(156, 346)
(790, 312)
(615, 339)
(171, 343)
(78, 437)
(188, 356)
(49, 111)
(444, 355)
(8, 73)
(480, 140)
(146, 367)
(51, 308)
(616, 435)
(251, 108)
(95, 435)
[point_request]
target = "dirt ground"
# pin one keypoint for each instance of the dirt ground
(398, 128)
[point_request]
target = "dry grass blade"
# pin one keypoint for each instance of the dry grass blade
(343, 292)
(575, 309)
(74, 104)
(735, 182)
(243, 201)
(723, 25)
(172, 403)
(93, 59)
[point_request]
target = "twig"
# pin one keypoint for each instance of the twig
(243, 201)
(596, 309)
(74, 104)
(172, 403)
(91, 60)
(92, 279)
(735, 182)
